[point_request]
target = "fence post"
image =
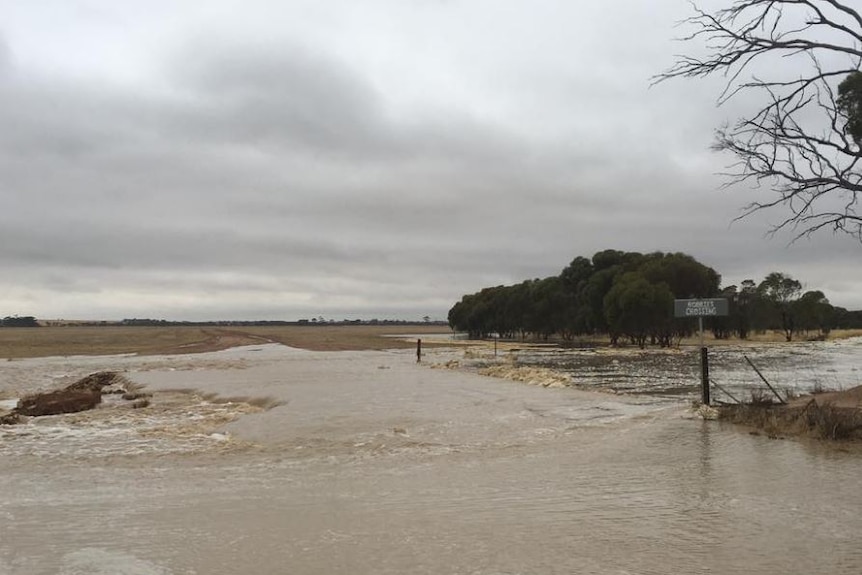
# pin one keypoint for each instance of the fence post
(704, 373)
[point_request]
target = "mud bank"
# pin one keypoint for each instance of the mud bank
(832, 416)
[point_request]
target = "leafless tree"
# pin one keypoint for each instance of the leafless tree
(802, 57)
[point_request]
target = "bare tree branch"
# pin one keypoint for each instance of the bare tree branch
(800, 142)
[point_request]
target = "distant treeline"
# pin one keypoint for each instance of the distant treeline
(250, 323)
(165, 322)
(30, 321)
(19, 321)
(629, 295)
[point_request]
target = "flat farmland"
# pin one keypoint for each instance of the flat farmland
(156, 340)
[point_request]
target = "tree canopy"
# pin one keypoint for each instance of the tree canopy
(624, 294)
(629, 296)
(19, 321)
(850, 104)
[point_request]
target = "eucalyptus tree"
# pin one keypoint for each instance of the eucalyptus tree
(813, 312)
(637, 308)
(781, 291)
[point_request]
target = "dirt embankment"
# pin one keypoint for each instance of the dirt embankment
(835, 415)
(83, 395)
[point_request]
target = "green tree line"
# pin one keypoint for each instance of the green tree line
(19, 321)
(629, 296)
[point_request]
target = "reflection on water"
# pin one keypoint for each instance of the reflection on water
(481, 476)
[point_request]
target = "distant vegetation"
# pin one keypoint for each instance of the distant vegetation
(19, 321)
(629, 295)
(265, 323)
(30, 321)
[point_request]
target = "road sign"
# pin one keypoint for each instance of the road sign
(700, 307)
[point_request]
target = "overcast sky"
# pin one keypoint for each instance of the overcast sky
(281, 159)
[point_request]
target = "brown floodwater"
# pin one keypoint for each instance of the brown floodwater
(372, 464)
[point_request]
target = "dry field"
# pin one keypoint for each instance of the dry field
(112, 339)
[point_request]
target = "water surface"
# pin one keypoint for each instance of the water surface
(372, 464)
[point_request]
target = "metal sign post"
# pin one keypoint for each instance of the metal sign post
(700, 308)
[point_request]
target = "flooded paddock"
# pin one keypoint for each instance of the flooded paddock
(675, 373)
(364, 462)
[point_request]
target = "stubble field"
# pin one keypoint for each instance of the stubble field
(157, 340)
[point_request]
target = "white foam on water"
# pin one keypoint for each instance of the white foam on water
(177, 423)
(93, 561)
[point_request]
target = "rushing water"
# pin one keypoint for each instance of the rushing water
(372, 464)
(799, 367)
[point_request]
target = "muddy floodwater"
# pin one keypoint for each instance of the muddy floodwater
(674, 374)
(273, 460)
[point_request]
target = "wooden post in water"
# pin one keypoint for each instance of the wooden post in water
(704, 364)
(704, 373)
(418, 350)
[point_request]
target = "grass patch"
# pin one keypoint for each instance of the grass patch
(813, 419)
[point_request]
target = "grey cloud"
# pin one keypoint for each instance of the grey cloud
(287, 98)
(116, 245)
(5, 57)
(283, 95)
(259, 177)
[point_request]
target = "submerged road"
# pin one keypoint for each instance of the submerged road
(372, 464)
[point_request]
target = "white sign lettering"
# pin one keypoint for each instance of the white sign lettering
(700, 307)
